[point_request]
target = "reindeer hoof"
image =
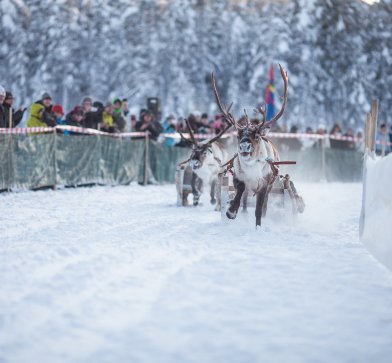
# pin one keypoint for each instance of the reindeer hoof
(196, 200)
(213, 201)
(230, 214)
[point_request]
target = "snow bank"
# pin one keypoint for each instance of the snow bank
(377, 232)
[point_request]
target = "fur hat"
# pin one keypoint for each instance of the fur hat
(2, 91)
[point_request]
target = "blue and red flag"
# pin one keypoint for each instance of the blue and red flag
(270, 95)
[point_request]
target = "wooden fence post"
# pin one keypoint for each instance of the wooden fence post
(146, 154)
(374, 117)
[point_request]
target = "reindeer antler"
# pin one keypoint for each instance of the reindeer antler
(219, 135)
(226, 113)
(285, 77)
(262, 112)
(192, 139)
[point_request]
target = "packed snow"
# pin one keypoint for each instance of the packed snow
(123, 275)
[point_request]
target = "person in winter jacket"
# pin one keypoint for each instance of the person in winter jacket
(2, 111)
(382, 141)
(118, 115)
(147, 123)
(41, 113)
(13, 117)
(75, 117)
(107, 123)
(91, 117)
(58, 112)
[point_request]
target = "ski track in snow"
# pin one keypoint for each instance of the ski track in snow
(123, 275)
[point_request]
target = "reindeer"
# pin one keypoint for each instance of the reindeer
(253, 167)
(206, 162)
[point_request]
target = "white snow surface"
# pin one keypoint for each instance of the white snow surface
(123, 275)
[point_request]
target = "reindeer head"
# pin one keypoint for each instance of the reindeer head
(200, 150)
(249, 132)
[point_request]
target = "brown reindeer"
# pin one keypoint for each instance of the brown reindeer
(253, 168)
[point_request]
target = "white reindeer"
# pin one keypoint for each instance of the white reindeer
(253, 167)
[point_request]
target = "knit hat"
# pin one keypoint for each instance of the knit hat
(2, 91)
(117, 100)
(108, 104)
(58, 109)
(46, 96)
(87, 99)
(8, 96)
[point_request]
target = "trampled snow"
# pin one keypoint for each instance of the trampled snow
(123, 275)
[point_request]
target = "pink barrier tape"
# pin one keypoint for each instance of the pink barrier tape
(79, 130)
(30, 130)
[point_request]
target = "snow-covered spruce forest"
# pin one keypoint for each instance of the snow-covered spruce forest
(337, 53)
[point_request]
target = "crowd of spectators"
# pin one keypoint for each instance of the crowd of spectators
(115, 117)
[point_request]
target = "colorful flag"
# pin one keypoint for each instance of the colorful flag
(270, 95)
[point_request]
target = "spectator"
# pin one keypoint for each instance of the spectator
(194, 123)
(58, 112)
(169, 124)
(321, 129)
(75, 117)
(133, 122)
(2, 111)
(390, 135)
(382, 141)
(41, 113)
(350, 143)
(169, 127)
(205, 125)
(293, 143)
(118, 115)
(107, 123)
(90, 117)
(335, 134)
(125, 106)
(148, 124)
(359, 141)
(308, 142)
(13, 117)
(217, 124)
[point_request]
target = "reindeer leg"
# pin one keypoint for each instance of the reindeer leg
(218, 193)
(245, 200)
(265, 203)
(212, 191)
(196, 184)
(235, 203)
(260, 202)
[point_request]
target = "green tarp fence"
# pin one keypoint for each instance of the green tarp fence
(33, 161)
